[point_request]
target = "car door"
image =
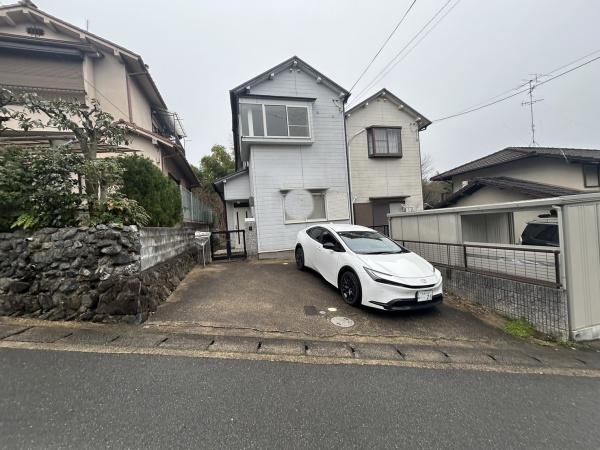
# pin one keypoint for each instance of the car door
(312, 245)
(327, 261)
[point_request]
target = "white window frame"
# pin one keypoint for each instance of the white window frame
(322, 192)
(264, 115)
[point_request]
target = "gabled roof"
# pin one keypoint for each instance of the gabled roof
(515, 153)
(529, 188)
(294, 61)
(28, 11)
(243, 89)
(423, 121)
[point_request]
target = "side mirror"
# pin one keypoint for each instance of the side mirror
(329, 246)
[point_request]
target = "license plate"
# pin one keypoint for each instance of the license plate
(424, 296)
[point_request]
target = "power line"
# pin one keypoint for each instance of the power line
(518, 92)
(394, 61)
(384, 44)
(526, 82)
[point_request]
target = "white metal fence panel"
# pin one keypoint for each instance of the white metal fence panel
(581, 234)
(193, 209)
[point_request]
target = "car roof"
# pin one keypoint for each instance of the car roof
(344, 227)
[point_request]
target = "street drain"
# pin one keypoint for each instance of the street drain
(343, 322)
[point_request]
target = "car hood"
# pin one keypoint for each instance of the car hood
(402, 265)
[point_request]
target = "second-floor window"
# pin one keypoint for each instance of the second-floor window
(274, 120)
(384, 142)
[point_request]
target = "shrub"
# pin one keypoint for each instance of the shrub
(38, 188)
(123, 210)
(157, 194)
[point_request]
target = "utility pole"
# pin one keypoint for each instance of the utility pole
(532, 84)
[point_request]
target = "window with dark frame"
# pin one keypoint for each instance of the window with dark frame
(591, 175)
(385, 142)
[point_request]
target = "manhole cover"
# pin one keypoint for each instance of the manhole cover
(343, 322)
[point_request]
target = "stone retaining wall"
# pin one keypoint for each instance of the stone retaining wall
(94, 273)
(543, 306)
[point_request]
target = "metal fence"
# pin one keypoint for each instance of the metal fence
(537, 266)
(193, 209)
(383, 229)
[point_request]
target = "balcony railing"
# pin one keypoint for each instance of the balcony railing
(193, 209)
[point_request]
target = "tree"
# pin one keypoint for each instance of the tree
(157, 194)
(433, 191)
(92, 128)
(218, 164)
(55, 174)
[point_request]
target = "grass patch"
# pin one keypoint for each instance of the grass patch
(520, 328)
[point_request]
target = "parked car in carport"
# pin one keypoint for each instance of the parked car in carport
(369, 268)
(541, 232)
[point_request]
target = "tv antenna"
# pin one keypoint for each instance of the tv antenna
(532, 84)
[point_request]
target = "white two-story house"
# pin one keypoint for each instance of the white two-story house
(290, 154)
(43, 54)
(385, 158)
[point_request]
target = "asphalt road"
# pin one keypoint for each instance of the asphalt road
(80, 400)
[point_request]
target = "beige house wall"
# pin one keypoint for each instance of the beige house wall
(554, 171)
(489, 195)
(384, 177)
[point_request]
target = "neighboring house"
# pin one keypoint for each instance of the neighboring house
(385, 158)
(43, 54)
(290, 155)
(523, 173)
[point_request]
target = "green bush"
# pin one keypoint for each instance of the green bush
(157, 194)
(123, 210)
(38, 188)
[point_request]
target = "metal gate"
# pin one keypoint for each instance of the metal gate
(229, 244)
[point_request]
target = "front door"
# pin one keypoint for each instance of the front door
(240, 214)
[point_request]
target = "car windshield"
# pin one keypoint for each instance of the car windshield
(370, 243)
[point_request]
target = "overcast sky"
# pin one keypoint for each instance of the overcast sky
(198, 50)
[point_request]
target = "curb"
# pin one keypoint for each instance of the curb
(102, 339)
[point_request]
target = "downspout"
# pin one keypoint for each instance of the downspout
(348, 164)
(348, 141)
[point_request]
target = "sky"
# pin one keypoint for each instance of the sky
(198, 50)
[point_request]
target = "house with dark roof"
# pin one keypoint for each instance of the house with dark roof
(385, 158)
(522, 173)
(290, 156)
(43, 54)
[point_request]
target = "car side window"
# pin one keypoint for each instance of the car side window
(315, 233)
(326, 236)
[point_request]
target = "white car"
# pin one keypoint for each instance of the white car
(369, 268)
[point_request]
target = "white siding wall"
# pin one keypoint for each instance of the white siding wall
(384, 177)
(273, 167)
(237, 188)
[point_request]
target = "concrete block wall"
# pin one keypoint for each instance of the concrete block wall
(161, 244)
(544, 307)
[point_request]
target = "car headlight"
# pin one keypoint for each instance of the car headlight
(386, 278)
(379, 276)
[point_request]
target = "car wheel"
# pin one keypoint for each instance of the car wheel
(350, 288)
(299, 258)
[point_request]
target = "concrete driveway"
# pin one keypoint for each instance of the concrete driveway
(275, 297)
